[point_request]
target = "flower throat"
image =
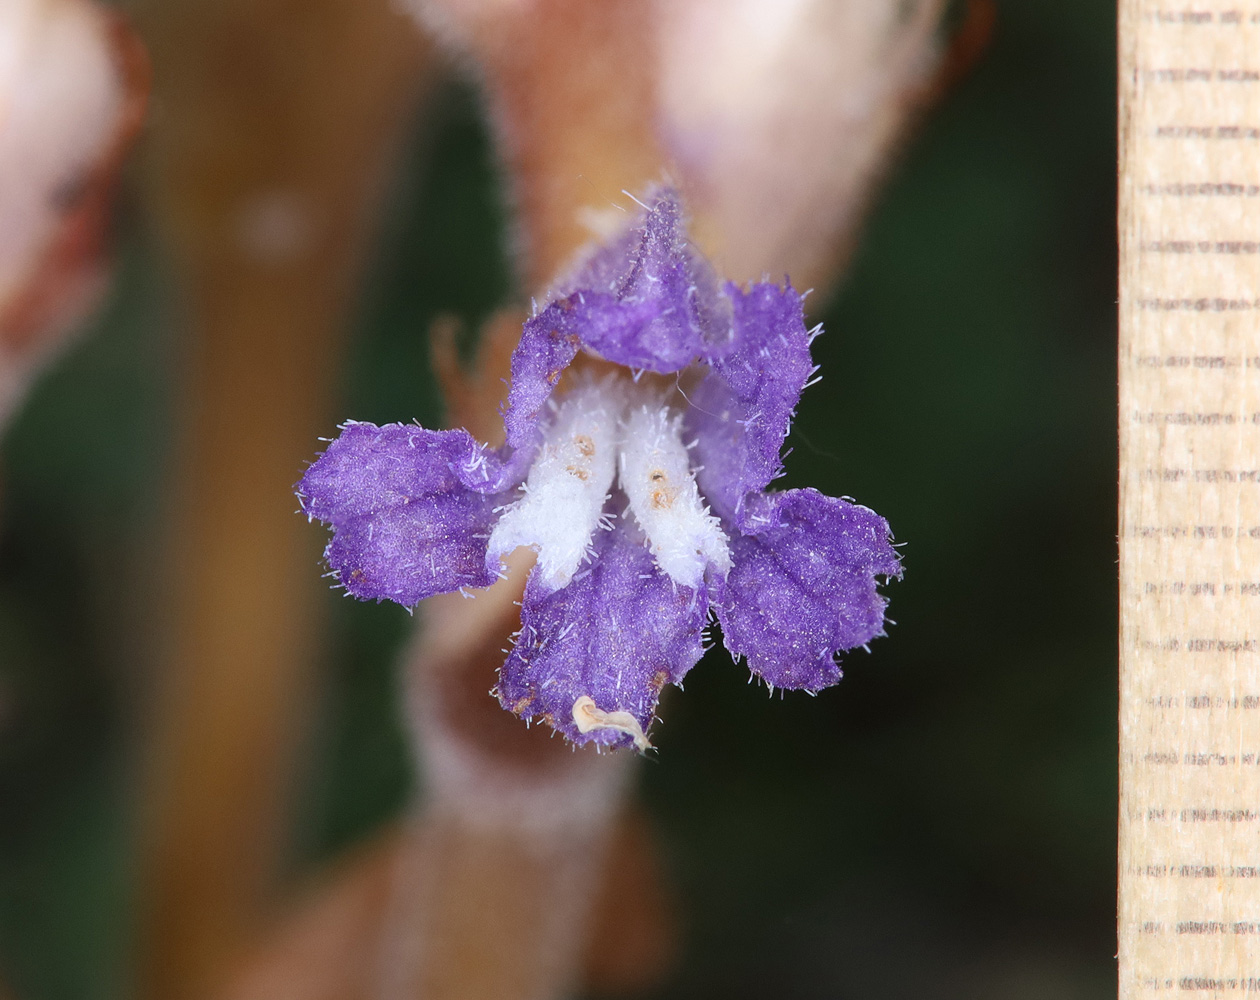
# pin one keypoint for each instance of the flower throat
(611, 434)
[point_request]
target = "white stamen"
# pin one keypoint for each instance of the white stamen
(567, 485)
(588, 717)
(657, 478)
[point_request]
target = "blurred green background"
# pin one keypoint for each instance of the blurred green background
(940, 825)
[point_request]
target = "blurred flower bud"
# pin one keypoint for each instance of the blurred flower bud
(72, 86)
(775, 118)
(780, 115)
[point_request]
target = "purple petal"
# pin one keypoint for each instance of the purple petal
(549, 342)
(650, 300)
(742, 409)
(404, 526)
(618, 633)
(492, 470)
(657, 334)
(646, 301)
(804, 588)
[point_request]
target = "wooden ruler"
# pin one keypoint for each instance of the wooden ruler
(1189, 368)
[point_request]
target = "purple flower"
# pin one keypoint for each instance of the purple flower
(642, 488)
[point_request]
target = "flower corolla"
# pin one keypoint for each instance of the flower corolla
(639, 476)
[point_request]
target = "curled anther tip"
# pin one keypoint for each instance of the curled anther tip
(588, 717)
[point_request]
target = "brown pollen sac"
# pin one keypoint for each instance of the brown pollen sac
(581, 474)
(584, 444)
(519, 707)
(662, 498)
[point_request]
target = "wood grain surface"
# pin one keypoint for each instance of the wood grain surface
(1189, 371)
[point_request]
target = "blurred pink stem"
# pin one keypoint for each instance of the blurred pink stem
(277, 123)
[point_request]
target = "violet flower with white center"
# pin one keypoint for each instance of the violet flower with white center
(641, 489)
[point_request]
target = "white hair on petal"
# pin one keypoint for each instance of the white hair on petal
(656, 475)
(567, 485)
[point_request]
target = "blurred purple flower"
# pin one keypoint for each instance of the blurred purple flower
(642, 491)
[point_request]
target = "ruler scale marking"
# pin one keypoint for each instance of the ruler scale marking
(1189, 369)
